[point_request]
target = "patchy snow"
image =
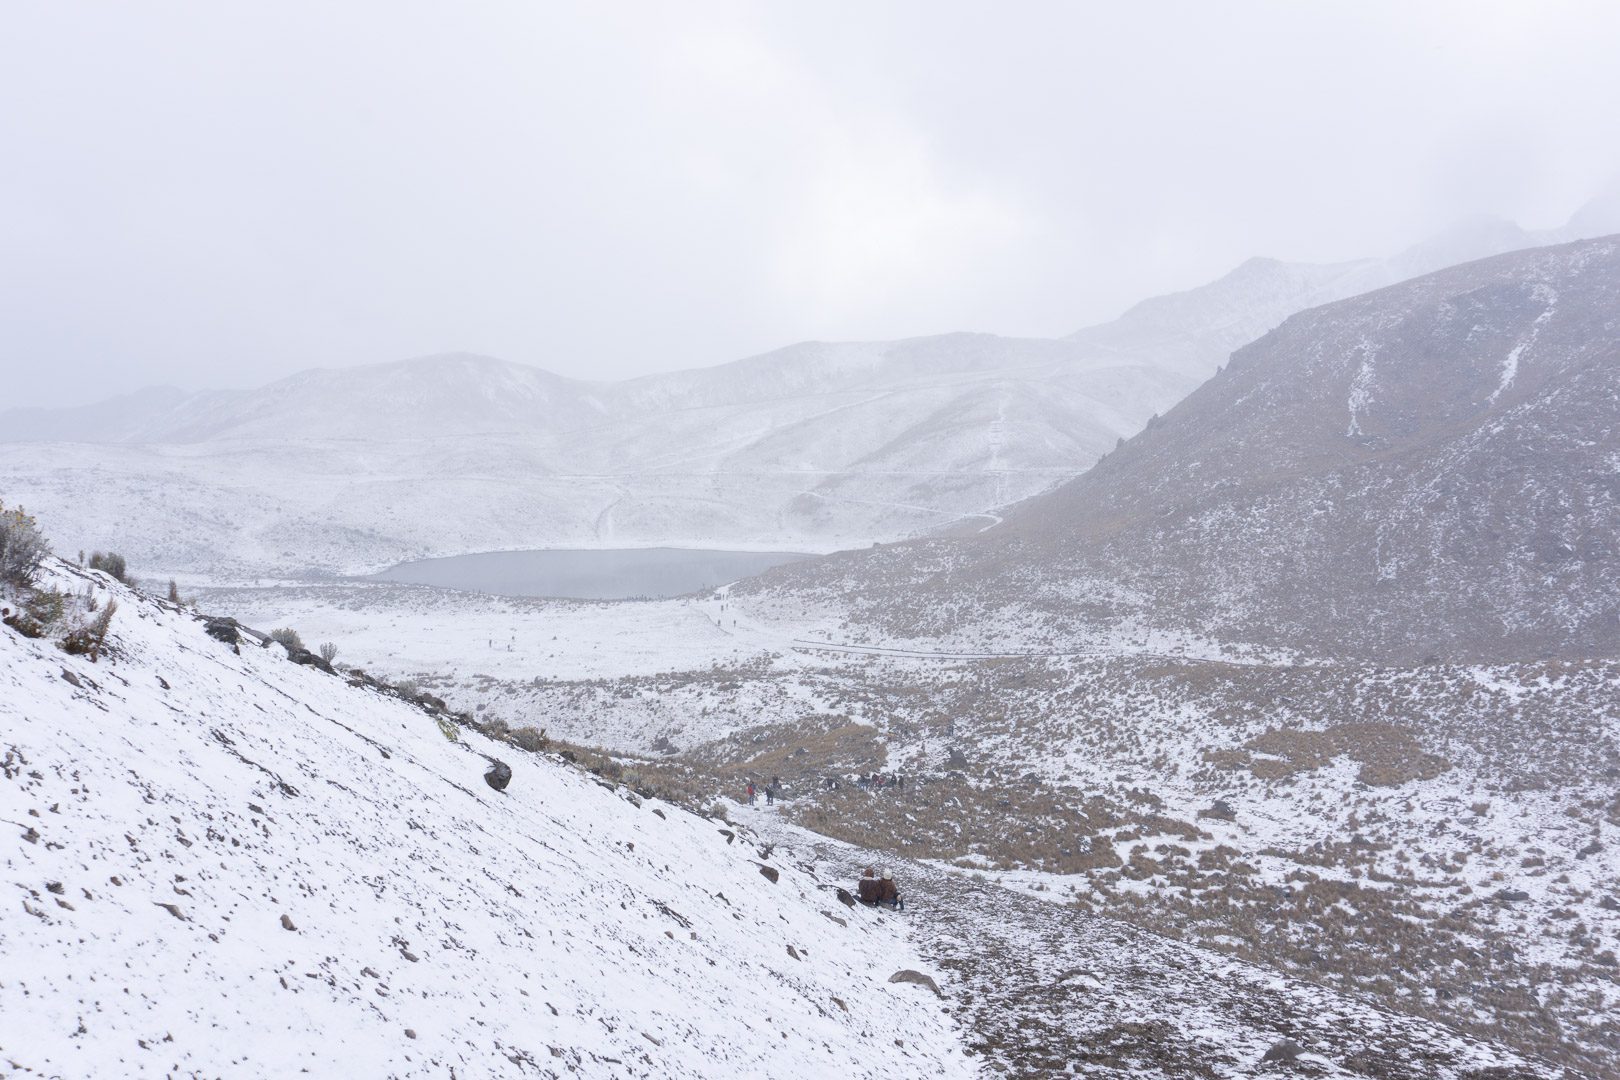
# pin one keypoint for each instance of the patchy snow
(1510, 365)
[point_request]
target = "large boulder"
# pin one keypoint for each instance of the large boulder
(1286, 1051)
(225, 631)
(309, 659)
(498, 775)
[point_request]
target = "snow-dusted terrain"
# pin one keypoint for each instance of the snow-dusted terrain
(223, 863)
(813, 447)
(1378, 815)
(226, 863)
(1297, 718)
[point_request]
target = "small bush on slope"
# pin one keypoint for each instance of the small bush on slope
(112, 563)
(22, 547)
(288, 638)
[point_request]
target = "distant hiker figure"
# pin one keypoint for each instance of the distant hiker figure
(750, 790)
(770, 795)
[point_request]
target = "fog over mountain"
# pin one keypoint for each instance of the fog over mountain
(815, 446)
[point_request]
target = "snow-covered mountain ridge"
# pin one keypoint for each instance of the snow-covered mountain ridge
(222, 863)
(1427, 470)
(813, 447)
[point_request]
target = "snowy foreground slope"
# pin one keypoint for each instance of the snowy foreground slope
(223, 864)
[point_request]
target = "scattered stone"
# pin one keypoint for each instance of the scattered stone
(173, 909)
(1511, 896)
(1590, 849)
(72, 679)
(769, 873)
(659, 812)
(164, 683)
(836, 919)
(794, 953)
(410, 1033)
(498, 775)
(909, 976)
(1220, 810)
(840, 1003)
(845, 898)
(55, 887)
(32, 835)
(728, 834)
(1286, 1051)
(287, 923)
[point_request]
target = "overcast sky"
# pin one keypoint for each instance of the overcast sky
(218, 194)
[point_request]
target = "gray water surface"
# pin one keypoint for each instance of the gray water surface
(612, 574)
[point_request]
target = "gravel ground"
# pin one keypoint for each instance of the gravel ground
(1047, 990)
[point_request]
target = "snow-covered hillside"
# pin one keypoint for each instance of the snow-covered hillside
(224, 863)
(813, 447)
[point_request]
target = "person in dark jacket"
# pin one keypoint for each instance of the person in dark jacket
(867, 891)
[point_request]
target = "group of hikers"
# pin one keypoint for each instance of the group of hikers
(752, 790)
(866, 782)
(869, 782)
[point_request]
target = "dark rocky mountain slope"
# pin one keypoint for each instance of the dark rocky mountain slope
(1430, 469)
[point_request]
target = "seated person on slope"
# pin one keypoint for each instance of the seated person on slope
(887, 894)
(867, 891)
